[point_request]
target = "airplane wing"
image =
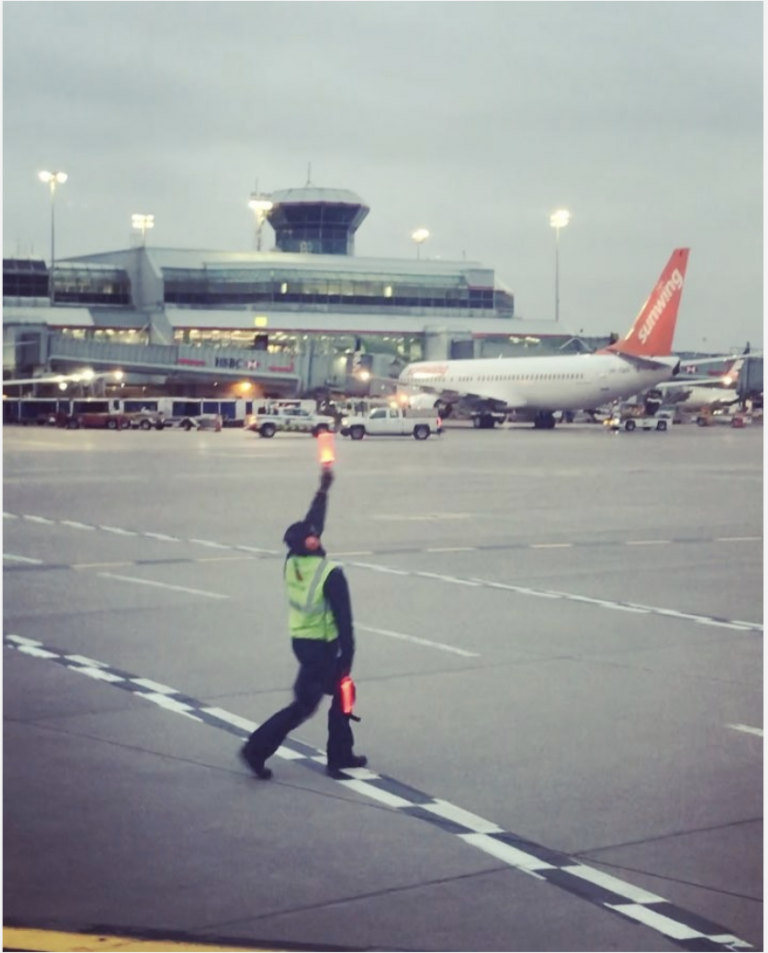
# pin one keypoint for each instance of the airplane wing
(23, 381)
(688, 383)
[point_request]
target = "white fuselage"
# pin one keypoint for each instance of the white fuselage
(541, 384)
(700, 396)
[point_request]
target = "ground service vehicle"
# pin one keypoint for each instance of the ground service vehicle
(726, 416)
(392, 422)
(295, 419)
(661, 420)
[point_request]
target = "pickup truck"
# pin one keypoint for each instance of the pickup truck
(293, 419)
(392, 422)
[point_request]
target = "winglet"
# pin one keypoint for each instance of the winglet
(654, 328)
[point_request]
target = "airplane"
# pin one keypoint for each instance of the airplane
(696, 392)
(535, 388)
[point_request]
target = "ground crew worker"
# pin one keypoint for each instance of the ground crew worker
(320, 621)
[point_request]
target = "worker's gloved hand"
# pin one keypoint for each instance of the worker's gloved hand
(326, 479)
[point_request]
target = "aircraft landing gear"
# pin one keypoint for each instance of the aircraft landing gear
(544, 421)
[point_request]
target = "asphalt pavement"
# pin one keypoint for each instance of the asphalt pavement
(559, 674)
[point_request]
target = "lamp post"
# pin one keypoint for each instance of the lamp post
(261, 206)
(52, 179)
(558, 220)
(419, 237)
(142, 223)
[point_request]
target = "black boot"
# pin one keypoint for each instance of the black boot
(334, 768)
(255, 765)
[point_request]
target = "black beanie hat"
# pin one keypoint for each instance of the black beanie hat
(296, 535)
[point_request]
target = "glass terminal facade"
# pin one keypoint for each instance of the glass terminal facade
(318, 290)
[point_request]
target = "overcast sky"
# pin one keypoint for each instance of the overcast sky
(475, 120)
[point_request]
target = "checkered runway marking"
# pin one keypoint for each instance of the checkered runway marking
(687, 930)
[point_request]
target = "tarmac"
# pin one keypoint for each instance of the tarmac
(559, 673)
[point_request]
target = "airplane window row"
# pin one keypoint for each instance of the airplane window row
(511, 377)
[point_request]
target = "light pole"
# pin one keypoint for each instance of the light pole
(558, 220)
(52, 179)
(419, 236)
(261, 206)
(142, 223)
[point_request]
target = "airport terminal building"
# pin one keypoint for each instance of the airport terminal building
(301, 319)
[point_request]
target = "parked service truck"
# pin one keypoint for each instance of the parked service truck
(392, 422)
(269, 420)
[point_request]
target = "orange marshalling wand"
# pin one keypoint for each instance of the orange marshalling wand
(326, 450)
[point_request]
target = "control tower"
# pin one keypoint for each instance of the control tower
(316, 221)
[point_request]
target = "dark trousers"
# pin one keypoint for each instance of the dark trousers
(319, 674)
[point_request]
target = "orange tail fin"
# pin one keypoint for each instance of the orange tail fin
(654, 328)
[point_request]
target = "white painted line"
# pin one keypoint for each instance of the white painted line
(118, 531)
(97, 673)
(255, 549)
(620, 887)
(375, 568)
(36, 519)
(748, 729)
(22, 640)
(76, 525)
(22, 559)
(209, 542)
(368, 790)
(417, 641)
(84, 660)
(163, 585)
(288, 753)
(162, 536)
(728, 940)
(647, 542)
(357, 552)
(9, 516)
(505, 852)
(153, 686)
(738, 539)
(37, 652)
(452, 813)
(656, 921)
(163, 701)
(575, 598)
(551, 546)
(456, 581)
(231, 719)
(703, 620)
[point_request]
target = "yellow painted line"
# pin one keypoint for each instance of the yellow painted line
(21, 938)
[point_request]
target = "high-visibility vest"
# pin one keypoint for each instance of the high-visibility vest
(309, 614)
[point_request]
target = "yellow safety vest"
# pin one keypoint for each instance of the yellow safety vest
(309, 615)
